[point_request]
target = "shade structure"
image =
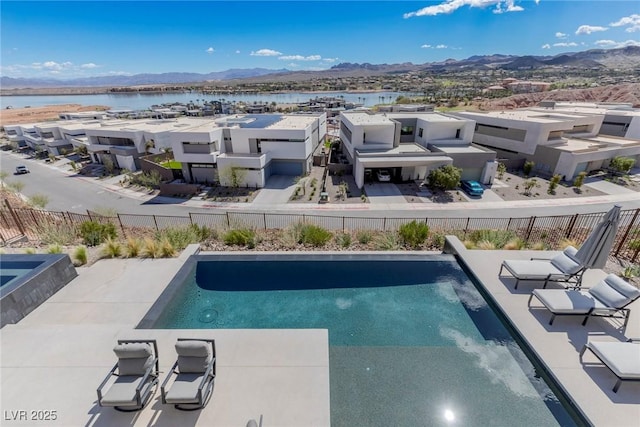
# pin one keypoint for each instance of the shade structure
(594, 251)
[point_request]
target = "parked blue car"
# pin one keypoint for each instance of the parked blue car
(472, 188)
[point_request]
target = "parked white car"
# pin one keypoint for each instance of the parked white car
(383, 175)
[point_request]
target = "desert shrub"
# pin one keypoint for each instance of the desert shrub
(485, 245)
(553, 184)
(364, 236)
(39, 201)
(314, 235)
(498, 238)
(240, 237)
(132, 247)
(54, 249)
(527, 168)
(112, 248)
(514, 244)
(437, 240)
(147, 179)
(180, 237)
(167, 250)
(579, 180)
(539, 246)
(413, 234)
(94, 233)
(469, 244)
(150, 248)
(291, 235)
(344, 240)
(15, 186)
(445, 177)
(387, 241)
(57, 233)
(80, 255)
(567, 242)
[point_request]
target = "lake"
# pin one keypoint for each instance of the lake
(141, 101)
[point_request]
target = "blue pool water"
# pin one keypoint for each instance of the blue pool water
(10, 270)
(412, 342)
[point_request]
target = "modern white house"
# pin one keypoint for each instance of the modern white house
(558, 141)
(260, 144)
(412, 144)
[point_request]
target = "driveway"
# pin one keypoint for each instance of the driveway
(384, 193)
(278, 190)
(607, 187)
(488, 196)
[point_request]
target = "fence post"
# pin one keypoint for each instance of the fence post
(466, 227)
(228, 221)
(155, 221)
(572, 224)
(124, 234)
(384, 224)
(532, 220)
(626, 233)
(89, 215)
(15, 217)
(190, 219)
(343, 224)
(264, 218)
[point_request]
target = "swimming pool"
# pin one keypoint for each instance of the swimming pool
(411, 340)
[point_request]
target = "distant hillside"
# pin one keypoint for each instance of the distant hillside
(627, 58)
(623, 93)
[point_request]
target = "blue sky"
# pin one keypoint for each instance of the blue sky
(89, 38)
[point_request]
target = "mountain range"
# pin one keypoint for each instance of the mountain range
(626, 58)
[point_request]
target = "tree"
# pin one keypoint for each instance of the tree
(445, 177)
(502, 169)
(529, 185)
(528, 167)
(553, 184)
(232, 175)
(621, 165)
(579, 180)
(301, 181)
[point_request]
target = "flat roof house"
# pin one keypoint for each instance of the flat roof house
(412, 144)
(558, 141)
(260, 144)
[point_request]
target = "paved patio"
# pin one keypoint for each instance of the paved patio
(56, 357)
(558, 345)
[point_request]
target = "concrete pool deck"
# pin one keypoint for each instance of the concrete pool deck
(589, 387)
(54, 359)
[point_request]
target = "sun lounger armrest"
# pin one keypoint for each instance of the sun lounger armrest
(207, 374)
(166, 380)
(146, 376)
(633, 340)
(104, 382)
(540, 259)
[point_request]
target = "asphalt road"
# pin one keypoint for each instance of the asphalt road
(77, 194)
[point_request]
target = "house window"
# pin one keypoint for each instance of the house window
(420, 132)
(457, 133)
(406, 130)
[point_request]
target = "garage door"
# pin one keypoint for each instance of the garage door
(286, 168)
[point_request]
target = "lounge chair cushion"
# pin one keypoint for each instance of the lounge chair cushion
(184, 389)
(532, 269)
(613, 291)
(623, 358)
(193, 348)
(623, 287)
(122, 392)
(568, 301)
(193, 356)
(133, 358)
(565, 263)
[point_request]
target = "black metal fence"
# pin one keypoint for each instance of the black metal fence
(550, 230)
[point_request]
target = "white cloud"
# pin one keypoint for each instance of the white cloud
(237, 51)
(614, 45)
(265, 52)
(89, 65)
(292, 65)
(588, 29)
(210, 50)
(441, 46)
(330, 60)
(300, 58)
(563, 44)
(560, 35)
(426, 46)
(449, 6)
(119, 73)
(633, 21)
(546, 46)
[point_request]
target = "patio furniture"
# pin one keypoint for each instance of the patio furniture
(609, 298)
(621, 358)
(563, 268)
(136, 377)
(193, 375)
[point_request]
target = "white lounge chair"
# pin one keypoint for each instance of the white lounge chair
(563, 268)
(136, 378)
(608, 298)
(622, 358)
(194, 371)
